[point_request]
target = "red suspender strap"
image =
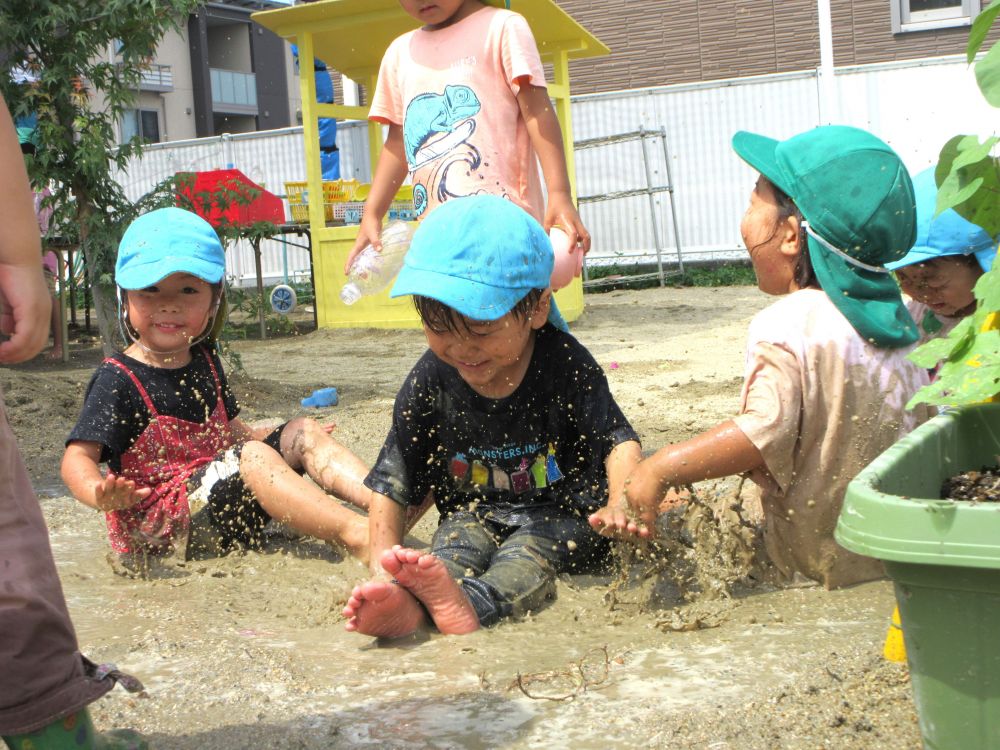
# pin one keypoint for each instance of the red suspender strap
(142, 391)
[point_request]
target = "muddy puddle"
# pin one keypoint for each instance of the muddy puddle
(249, 651)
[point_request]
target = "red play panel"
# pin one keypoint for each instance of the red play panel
(232, 198)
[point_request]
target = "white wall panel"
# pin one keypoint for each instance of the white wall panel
(711, 183)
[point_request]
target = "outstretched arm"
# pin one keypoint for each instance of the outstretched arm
(719, 452)
(613, 519)
(389, 175)
(82, 475)
(25, 306)
(546, 137)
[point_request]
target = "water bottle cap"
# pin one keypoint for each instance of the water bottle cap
(349, 293)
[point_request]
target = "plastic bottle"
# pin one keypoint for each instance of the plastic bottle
(372, 270)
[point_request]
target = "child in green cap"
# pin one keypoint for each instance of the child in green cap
(826, 376)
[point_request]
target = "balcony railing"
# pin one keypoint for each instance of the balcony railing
(233, 91)
(156, 77)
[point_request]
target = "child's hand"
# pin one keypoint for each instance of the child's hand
(613, 521)
(369, 233)
(561, 213)
(118, 493)
(644, 491)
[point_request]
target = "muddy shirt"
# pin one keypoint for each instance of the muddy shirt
(114, 414)
(546, 443)
(820, 403)
(454, 92)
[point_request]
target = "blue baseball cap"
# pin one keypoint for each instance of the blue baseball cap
(479, 255)
(948, 233)
(166, 241)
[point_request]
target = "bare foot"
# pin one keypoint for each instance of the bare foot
(426, 577)
(383, 610)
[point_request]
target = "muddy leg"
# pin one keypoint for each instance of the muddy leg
(288, 497)
(305, 444)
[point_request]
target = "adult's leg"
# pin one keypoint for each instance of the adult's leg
(42, 673)
(305, 444)
(289, 497)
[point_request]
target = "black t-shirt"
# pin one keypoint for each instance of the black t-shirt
(115, 415)
(545, 444)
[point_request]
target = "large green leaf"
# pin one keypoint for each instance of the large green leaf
(968, 179)
(988, 75)
(974, 376)
(980, 28)
(929, 354)
(987, 290)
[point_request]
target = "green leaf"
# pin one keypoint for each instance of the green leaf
(954, 345)
(968, 180)
(980, 28)
(987, 290)
(988, 75)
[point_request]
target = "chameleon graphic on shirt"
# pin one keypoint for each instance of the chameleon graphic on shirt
(449, 113)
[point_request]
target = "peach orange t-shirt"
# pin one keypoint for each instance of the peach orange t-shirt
(819, 403)
(454, 92)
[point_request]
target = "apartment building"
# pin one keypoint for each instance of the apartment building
(658, 42)
(218, 73)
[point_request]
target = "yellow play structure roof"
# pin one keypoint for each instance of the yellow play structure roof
(351, 35)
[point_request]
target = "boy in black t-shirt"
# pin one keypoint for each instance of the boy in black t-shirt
(506, 423)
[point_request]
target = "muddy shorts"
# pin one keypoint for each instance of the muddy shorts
(217, 493)
(507, 566)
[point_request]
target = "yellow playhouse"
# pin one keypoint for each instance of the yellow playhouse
(351, 37)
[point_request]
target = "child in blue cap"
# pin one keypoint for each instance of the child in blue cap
(506, 422)
(827, 376)
(163, 418)
(943, 266)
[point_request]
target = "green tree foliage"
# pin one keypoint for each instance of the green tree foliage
(86, 59)
(968, 178)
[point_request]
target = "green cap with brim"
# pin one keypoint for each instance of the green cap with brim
(858, 204)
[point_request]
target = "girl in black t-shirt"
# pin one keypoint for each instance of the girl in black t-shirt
(162, 417)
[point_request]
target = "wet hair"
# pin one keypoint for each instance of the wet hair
(440, 318)
(804, 275)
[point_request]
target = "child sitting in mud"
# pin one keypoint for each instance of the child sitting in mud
(941, 269)
(163, 418)
(506, 422)
(827, 375)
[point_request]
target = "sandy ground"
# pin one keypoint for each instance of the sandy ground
(249, 650)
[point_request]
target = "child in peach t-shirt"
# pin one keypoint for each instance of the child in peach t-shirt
(465, 100)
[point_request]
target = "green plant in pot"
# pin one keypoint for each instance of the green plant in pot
(944, 555)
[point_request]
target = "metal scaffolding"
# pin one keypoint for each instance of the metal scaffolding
(650, 190)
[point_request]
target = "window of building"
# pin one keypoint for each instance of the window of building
(144, 123)
(922, 15)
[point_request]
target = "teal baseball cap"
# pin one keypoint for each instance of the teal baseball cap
(857, 201)
(167, 241)
(945, 234)
(479, 255)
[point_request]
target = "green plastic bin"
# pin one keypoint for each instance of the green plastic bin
(944, 559)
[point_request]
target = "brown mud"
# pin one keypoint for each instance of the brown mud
(249, 650)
